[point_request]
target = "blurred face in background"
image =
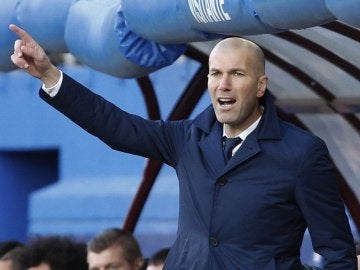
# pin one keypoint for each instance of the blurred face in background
(112, 258)
(42, 266)
(5, 265)
(155, 267)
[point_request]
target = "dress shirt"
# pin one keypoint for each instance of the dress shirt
(243, 134)
(53, 90)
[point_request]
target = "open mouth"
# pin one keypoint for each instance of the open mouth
(226, 101)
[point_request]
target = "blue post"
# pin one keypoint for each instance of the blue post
(22, 172)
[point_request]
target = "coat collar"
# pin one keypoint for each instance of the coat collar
(211, 144)
(268, 127)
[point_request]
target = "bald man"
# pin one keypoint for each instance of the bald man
(250, 184)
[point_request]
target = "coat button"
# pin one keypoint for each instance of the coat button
(214, 241)
(222, 181)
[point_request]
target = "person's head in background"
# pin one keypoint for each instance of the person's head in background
(114, 249)
(14, 259)
(7, 246)
(157, 260)
(56, 253)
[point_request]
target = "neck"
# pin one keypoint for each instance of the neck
(233, 131)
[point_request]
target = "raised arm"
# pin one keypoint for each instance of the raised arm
(31, 57)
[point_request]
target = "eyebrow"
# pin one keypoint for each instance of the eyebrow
(228, 71)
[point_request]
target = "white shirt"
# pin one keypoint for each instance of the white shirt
(243, 134)
(53, 90)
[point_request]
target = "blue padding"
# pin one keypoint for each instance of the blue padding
(292, 14)
(347, 11)
(7, 38)
(167, 21)
(91, 38)
(144, 52)
(162, 21)
(45, 21)
(236, 17)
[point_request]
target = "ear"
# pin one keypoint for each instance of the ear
(139, 263)
(262, 84)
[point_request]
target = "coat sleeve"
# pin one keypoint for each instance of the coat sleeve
(318, 196)
(118, 129)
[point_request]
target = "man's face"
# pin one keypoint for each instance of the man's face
(5, 265)
(235, 85)
(42, 266)
(110, 259)
(155, 267)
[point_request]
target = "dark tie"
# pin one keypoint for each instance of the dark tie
(228, 146)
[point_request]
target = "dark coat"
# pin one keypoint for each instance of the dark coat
(250, 214)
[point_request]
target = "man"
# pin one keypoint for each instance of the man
(249, 213)
(114, 249)
(357, 246)
(157, 260)
(7, 246)
(14, 259)
(55, 253)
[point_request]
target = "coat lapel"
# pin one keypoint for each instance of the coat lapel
(248, 149)
(211, 146)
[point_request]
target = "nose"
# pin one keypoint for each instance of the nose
(224, 82)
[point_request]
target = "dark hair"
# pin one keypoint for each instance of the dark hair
(117, 237)
(159, 257)
(6, 246)
(18, 258)
(357, 246)
(59, 252)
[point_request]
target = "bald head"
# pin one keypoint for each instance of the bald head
(236, 82)
(237, 44)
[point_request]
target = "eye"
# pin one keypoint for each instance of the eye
(213, 74)
(238, 74)
(113, 267)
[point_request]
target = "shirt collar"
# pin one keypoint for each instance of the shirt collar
(247, 131)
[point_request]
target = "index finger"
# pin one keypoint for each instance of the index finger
(20, 32)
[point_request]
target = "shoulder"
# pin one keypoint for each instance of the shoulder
(301, 145)
(303, 138)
